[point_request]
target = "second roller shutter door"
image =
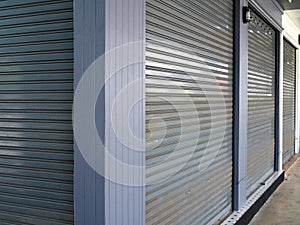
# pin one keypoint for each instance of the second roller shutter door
(289, 101)
(261, 102)
(189, 80)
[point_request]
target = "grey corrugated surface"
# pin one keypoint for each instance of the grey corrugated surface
(36, 92)
(289, 100)
(189, 64)
(261, 103)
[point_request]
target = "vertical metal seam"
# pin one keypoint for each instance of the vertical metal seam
(277, 102)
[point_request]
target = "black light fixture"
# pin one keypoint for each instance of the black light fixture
(246, 14)
(299, 39)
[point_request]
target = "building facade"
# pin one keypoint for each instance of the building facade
(145, 112)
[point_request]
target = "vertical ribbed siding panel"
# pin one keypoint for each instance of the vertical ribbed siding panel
(78, 71)
(36, 93)
(88, 58)
(261, 102)
(124, 204)
(289, 101)
(79, 196)
(99, 40)
(189, 80)
(89, 45)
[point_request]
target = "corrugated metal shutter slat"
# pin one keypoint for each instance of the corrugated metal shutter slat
(36, 94)
(189, 58)
(261, 102)
(289, 100)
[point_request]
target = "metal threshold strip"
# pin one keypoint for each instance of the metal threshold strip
(255, 201)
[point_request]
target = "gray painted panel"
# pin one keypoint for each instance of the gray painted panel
(241, 107)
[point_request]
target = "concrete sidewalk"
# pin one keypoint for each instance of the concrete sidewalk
(283, 208)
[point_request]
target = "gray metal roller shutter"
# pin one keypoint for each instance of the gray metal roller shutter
(261, 102)
(189, 80)
(289, 103)
(36, 92)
